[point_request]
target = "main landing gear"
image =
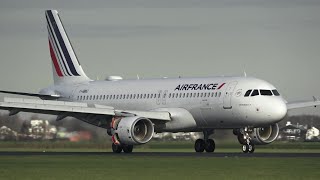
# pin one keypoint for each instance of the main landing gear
(245, 139)
(205, 144)
(117, 148)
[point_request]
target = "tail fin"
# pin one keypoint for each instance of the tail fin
(66, 67)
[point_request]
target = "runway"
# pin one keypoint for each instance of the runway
(167, 154)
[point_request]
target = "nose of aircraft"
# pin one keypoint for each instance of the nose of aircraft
(278, 110)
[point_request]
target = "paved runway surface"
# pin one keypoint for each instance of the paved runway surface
(166, 154)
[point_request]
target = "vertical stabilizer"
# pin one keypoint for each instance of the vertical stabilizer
(66, 67)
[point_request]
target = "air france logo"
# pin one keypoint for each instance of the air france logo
(194, 87)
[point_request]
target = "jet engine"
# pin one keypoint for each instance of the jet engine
(265, 135)
(131, 130)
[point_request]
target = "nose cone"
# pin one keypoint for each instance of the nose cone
(279, 110)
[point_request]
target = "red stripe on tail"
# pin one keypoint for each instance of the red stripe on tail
(54, 60)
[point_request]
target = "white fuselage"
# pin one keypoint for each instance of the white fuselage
(214, 102)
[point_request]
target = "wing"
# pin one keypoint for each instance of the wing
(95, 114)
(41, 96)
(302, 104)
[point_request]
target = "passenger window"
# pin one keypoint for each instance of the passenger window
(275, 92)
(264, 92)
(247, 93)
(184, 94)
(255, 92)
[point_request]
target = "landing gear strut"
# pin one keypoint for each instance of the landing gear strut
(205, 144)
(245, 139)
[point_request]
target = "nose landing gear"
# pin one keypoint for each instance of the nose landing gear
(205, 144)
(245, 139)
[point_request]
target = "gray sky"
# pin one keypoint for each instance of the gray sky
(275, 40)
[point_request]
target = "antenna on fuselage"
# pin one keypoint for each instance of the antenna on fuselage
(244, 72)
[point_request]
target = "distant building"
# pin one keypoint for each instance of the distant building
(37, 130)
(293, 132)
(177, 136)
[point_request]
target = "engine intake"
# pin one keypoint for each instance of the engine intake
(132, 130)
(265, 135)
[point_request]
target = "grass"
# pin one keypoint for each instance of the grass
(132, 167)
(124, 167)
(154, 146)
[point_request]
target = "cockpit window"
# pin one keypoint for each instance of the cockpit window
(255, 92)
(275, 92)
(247, 93)
(265, 92)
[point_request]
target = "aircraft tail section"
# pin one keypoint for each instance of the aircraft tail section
(66, 66)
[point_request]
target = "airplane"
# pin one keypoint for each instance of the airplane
(133, 110)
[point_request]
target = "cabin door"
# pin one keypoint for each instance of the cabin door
(228, 95)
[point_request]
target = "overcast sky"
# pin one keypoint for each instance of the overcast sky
(275, 40)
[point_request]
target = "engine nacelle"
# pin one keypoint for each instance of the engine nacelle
(265, 135)
(132, 130)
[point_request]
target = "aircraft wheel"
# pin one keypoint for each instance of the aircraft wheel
(236, 132)
(245, 148)
(241, 139)
(127, 148)
(116, 148)
(199, 145)
(251, 148)
(210, 146)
